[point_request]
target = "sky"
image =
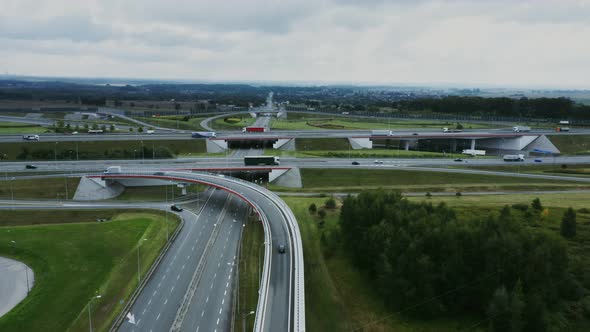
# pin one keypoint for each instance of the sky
(540, 43)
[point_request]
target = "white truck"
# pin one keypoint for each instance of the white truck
(113, 170)
(474, 153)
(519, 129)
(381, 133)
(31, 137)
(451, 130)
(514, 157)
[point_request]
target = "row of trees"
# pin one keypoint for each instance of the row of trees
(424, 261)
(556, 108)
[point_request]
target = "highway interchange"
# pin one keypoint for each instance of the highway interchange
(193, 287)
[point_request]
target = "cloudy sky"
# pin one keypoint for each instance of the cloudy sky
(479, 42)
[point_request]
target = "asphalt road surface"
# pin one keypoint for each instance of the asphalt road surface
(14, 285)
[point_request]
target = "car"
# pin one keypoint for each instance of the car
(31, 167)
(355, 163)
(458, 159)
(159, 173)
(538, 160)
(281, 248)
(415, 134)
(74, 133)
(176, 208)
(378, 162)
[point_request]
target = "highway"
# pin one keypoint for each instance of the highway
(202, 241)
(281, 305)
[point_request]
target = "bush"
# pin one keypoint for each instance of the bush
(322, 213)
(458, 194)
(312, 208)
(330, 203)
(520, 206)
(584, 210)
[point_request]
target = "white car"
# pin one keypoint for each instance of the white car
(378, 162)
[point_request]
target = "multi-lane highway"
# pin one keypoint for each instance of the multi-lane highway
(203, 256)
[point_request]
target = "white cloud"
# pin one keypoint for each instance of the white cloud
(502, 42)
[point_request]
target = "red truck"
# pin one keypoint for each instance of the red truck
(254, 129)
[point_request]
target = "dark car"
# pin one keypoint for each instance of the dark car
(415, 134)
(281, 248)
(159, 173)
(355, 163)
(538, 160)
(176, 208)
(458, 159)
(31, 167)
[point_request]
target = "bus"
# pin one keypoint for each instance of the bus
(261, 160)
(95, 131)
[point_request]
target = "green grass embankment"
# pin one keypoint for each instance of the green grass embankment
(571, 144)
(346, 180)
(88, 150)
(45, 188)
(175, 122)
(251, 253)
(73, 262)
(21, 128)
(232, 122)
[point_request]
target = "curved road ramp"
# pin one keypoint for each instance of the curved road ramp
(16, 279)
(281, 301)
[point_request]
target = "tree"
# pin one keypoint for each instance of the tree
(322, 213)
(458, 194)
(131, 129)
(112, 128)
(94, 126)
(536, 205)
(330, 203)
(517, 307)
(103, 128)
(428, 194)
(459, 126)
(499, 311)
(140, 130)
(568, 224)
(312, 208)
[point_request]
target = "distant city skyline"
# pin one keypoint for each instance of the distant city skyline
(457, 43)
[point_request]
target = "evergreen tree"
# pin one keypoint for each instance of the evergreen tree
(536, 205)
(330, 203)
(568, 224)
(499, 313)
(312, 208)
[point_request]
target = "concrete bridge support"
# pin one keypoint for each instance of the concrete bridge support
(472, 144)
(216, 145)
(286, 144)
(360, 143)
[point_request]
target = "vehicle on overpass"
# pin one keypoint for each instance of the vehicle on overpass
(521, 129)
(113, 170)
(31, 137)
(253, 129)
(30, 166)
(261, 160)
(95, 131)
(381, 133)
(451, 130)
(560, 129)
(513, 157)
(203, 134)
(474, 153)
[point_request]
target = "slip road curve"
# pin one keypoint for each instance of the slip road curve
(281, 301)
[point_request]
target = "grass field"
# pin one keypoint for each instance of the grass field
(345, 180)
(45, 188)
(250, 252)
(319, 144)
(339, 297)
(75, 261)
(157, 193)
(100, 149)
(571, 144)
(548, 168)
(313, 122)
(21, 128)
(193, 123)
(242, 120)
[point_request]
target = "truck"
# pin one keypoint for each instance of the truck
(513, 157)
(31, 137)
(113, 170)
(253, 129)
(560, 129)
(451, 130)
(381, 133)
(474, 153)
(203, 134)
(564, 122)
(518, 129)
(261, 160)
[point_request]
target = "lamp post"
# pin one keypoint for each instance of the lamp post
(138, 266)
(89, 312)
(244, 315)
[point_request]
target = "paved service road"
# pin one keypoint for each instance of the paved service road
(16, 279)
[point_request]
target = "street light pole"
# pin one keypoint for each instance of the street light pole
(89, 312)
